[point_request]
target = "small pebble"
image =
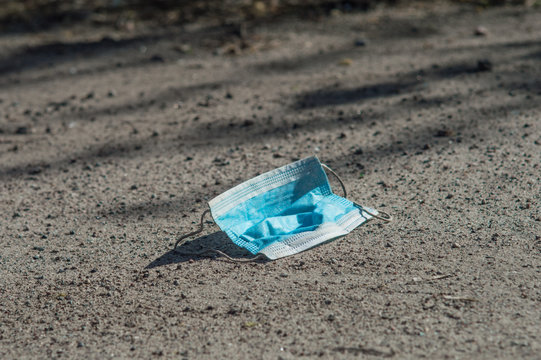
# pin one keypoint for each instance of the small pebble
(444, 133)
(22, 130)
(481, 31)
(157, 58)
(34, 170)
(183, 48)
(484, 65)
(345, 62)
(360, 42)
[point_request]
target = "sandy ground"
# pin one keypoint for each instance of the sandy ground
(112, 142)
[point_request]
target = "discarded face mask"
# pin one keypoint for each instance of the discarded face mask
(286, 211)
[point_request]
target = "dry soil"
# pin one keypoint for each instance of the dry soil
(113, 140)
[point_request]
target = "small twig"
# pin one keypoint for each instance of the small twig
(365, 350)
(439, 277)
(417, 280)
(459, 298)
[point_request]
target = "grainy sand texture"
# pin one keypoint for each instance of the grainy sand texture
(112, 140)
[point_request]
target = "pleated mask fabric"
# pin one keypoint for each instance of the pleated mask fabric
(286, 211)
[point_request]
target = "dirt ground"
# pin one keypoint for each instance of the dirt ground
(112, 140)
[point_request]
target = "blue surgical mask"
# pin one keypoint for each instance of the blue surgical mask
(287, 210)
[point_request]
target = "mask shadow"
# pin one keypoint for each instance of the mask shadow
(191, 250)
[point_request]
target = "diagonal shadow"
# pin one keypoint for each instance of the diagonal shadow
(319, 59)
(60, 52)
(409, 82)
(218, 133)
(326, 97)
(122, 51)
(207, 134)
(500, 46)
(306, 62)
(535, 55)
(167, 97)
(192, 251)
(126, 63)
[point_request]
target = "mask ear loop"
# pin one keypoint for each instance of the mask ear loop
(383, 216)
(184, 238)
(338, 178)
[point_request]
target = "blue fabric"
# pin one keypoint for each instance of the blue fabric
(273, 207)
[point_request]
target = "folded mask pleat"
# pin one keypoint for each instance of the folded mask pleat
(285, 211)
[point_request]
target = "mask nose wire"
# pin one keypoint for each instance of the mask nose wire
(383, 216)
(184, 238)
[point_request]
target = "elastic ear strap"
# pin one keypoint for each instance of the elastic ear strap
(383, 216)
(181, 240)
(337, 177)
(232, 259)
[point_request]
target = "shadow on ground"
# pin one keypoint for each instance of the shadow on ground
(200, 249)
(410, 87)
(205, 134)
(59, 52)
